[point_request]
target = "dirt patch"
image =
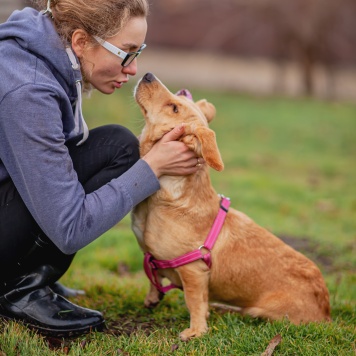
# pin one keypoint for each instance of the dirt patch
(312, 250)
(126, 325)
(122, 325)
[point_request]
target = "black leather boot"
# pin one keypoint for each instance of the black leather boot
(39, 252)
(64, 291)
(30, 300)
(26, 294)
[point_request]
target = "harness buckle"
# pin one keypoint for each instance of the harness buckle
(222, 196)
(203, 246)
(206, 257)
(221, 202)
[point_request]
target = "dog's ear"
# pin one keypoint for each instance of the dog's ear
(208, 109)
(209, 148)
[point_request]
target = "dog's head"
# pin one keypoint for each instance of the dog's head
(164, 110)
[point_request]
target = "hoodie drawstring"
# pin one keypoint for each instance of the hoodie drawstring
(48, 10)
(78, 115)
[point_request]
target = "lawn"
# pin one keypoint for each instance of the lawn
(291, 166)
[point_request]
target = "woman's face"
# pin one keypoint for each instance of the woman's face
(103, 69)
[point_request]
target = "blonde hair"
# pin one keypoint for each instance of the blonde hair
(103, 18)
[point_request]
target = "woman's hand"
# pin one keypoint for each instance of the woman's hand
(171, 157)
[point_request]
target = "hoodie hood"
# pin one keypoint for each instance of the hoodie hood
(35, 33)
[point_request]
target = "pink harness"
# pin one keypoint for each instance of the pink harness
(151, 265)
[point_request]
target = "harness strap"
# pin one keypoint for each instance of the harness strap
(218, 223)
(151, 265)
(151, 273)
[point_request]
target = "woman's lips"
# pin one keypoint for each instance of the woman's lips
(118, 84)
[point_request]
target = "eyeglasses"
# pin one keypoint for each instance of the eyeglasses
(127, 57)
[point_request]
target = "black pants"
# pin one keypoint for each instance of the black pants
(108, 152)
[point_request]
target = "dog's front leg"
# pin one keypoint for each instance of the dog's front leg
(154, 296)
(195, 279)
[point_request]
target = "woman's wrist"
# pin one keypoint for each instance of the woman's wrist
(152, 165)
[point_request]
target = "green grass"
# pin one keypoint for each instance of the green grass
(291, 166)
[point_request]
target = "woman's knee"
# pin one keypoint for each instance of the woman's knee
(108, 152)
(120, 136)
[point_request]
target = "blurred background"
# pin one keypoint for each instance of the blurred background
(282, 75)
(294, 48)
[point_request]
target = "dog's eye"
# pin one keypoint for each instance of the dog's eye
(175, 108)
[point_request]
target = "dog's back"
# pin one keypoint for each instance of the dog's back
(264, 276)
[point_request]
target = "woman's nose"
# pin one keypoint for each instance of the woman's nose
(131, 69)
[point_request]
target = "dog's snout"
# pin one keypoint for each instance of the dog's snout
(148, 78)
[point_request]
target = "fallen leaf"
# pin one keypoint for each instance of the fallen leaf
(272, 345)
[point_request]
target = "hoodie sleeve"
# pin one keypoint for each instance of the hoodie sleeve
(33, 150)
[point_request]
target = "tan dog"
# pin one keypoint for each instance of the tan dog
(251, 268)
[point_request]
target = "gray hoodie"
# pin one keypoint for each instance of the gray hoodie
(37, 96)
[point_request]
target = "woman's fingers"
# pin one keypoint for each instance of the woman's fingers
(174, 134)
(171, 157)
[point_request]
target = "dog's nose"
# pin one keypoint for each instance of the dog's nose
(148, 77)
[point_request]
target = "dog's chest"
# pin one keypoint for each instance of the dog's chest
(159, 232)
(138, 223)
(138, 232)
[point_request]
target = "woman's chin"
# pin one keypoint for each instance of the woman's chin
(108, 89)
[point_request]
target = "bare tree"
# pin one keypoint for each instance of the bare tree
(309, 32)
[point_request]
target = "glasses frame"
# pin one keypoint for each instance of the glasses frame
(127, 58)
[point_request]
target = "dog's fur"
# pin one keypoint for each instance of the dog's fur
(251, 268)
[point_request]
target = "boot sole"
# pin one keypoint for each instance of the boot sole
(55, 332)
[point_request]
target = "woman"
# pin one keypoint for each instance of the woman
(62, 186)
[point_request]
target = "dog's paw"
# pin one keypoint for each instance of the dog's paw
(151, 304)
(190, 333)
(152, 300)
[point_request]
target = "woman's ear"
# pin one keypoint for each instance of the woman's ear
(79, 40)
(208, 109)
